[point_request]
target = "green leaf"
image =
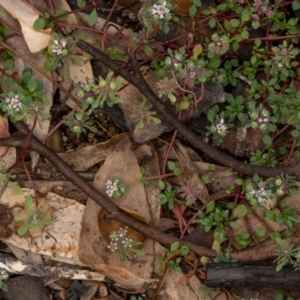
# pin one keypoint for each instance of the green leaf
(39, 24)
(280, 295)
(279, 266)
(212, 23)
(197, 2)
(17, 190)
(295, 133)
(171, 165)
(4, 287)
(260, 232)
(240, 211)
(211, 167)
(23, 230)
(296, 5)
(193, 10)
(177, 171)
(210, 206)
(268, 141)
(93, 17)
(239, 181)
(148, 50)
(235, 22)
(183, 105)
(32, 84)
(81, 3)
(205, 178)
(184, 251)
(197, 50)
(62, 15)
(255, 24)
(246, 15)
(156, 120)
(245, 34)
(29, 203)
(79, 61)
(161, 185)
(8, 64)
(234, 225)
(174, 246)
(139, 252)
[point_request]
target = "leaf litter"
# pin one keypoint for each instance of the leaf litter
(75, 237)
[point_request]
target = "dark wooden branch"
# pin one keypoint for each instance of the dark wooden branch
(49, 176)
(194, 139)
(231, 275)
(97, 196)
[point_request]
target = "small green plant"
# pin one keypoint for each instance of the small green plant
(80, 121)
(216, 219)
(189, 190)
(169, 194)
(172, 256)
(257, 191)
(3, 276)
(34, 218)
(115, 188)
(222, 256)
(287, 254)
(24, 100)
(61, 53)
(219, 128)
(124, 246)
(193, 8)
(142, 114)
(106, 91)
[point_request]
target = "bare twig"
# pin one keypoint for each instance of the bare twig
(140, 83)
(262, 253)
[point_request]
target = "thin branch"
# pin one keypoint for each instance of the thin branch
(97, 196)
(262, 253)
(190, 136)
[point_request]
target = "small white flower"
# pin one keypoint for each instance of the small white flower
(221, 127)
(160, 9)
(111, 188)
(59, 46)
(14, 103)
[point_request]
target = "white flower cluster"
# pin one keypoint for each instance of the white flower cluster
(221, 128)
(160, 9)
(258, 194)
(14, 103)
(60, 47)
(115, 188)
(119, 240)
(260, 118)
(111, 187)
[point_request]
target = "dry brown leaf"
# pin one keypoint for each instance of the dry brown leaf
(189, 289)
(87, 156)
(4, 133)
(8, 159)
(186, 164)
(35, 40)
(131, 100)
(93, 249)
(60, 241)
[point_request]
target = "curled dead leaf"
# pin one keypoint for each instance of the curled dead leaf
(4, 133)
(35, 40)
(182, 6)
(107, 225)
